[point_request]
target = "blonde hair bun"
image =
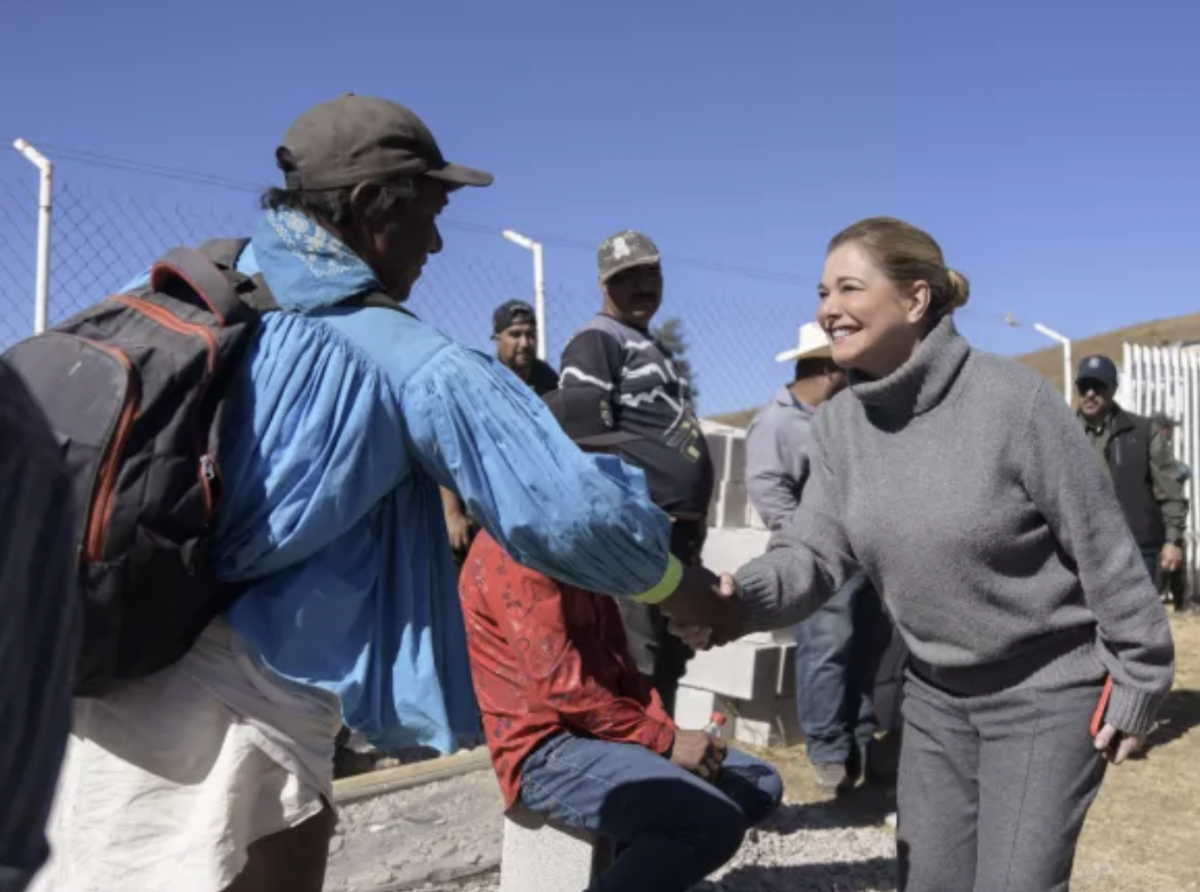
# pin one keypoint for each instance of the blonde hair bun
(960, 289)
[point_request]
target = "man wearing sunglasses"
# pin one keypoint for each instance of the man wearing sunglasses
(1144, 470)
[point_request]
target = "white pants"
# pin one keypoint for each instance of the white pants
(167, 782)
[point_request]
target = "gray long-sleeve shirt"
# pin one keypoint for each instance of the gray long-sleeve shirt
(970, 495)
(777, 446)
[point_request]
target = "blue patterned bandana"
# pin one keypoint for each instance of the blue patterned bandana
(306, 266)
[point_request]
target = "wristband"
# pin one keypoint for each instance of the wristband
(666, 586)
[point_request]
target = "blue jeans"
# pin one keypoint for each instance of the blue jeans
(837, 656)
(675, 827)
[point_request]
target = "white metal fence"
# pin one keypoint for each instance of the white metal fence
(1166, 380)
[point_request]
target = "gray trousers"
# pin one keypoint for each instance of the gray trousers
(993, 789)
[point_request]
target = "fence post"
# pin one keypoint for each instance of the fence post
(41, 306)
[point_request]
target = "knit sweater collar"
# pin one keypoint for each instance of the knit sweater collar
(923, 381)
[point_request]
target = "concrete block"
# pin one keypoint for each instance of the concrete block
(732, 504)
(786, 686)
(718, 451)
(736, 461)
(768, 723)
(542, 857)
(694, 706)
(740, 671)
(725, 550)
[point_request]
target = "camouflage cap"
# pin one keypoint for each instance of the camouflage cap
(626, 250)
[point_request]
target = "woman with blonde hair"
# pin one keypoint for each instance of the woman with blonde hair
(962, 485)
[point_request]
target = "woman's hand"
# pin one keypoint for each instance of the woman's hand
(1116, 746)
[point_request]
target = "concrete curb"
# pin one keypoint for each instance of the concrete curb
(389, 780)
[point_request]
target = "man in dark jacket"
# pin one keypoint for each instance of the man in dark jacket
(616, 356)
(1144, 470)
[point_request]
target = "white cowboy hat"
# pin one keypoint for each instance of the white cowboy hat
(813, 343)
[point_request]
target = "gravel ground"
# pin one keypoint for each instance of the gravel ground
(434, 832)
(803, 847)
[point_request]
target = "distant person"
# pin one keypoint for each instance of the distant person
(969, 494)
(39, 621)
(616, 356)
(839, 648)
(577, 733)
(1139, 458)
(514, 329)
(1175, 583)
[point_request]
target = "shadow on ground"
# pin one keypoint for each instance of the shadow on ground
(1180, 713)
(866, 806)
(876, 874)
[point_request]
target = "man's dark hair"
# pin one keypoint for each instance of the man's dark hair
(811, 367)
(333, 206)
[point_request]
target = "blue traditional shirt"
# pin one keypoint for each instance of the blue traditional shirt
(341, 426)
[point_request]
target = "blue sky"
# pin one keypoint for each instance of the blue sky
(1052, 148)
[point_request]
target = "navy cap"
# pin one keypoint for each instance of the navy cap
(1098, 368)
(510, 313)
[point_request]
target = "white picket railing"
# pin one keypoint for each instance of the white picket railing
(1167, 380)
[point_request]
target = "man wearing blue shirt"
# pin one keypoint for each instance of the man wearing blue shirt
(215, 775)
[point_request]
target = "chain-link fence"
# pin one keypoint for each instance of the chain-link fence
(103, 236)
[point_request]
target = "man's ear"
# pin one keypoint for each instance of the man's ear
(364, 198)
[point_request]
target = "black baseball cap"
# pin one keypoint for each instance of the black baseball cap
(358, 139)
(1098, 368)
(585, 416)
(510, 313)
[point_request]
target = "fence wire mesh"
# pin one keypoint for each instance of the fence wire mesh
(102, 237)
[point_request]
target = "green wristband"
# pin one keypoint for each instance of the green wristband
(666, 586)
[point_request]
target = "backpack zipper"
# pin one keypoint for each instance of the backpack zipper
(106, 482)
(209, 472)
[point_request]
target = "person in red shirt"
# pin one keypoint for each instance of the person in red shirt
(575, 731)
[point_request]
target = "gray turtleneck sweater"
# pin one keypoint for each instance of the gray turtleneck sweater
(971, 497)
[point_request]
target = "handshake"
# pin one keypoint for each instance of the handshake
(705, 610)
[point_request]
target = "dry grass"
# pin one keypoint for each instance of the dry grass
(1143, 832)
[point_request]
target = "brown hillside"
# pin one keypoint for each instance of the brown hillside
(1049, 361)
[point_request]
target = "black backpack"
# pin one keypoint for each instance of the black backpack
(132, 387)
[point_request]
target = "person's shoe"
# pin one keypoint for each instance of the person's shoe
(831, 777)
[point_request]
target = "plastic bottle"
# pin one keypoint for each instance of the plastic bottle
(716, 724)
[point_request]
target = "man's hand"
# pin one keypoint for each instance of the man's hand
(704, 600)
(459, 527)
(458, 522)
(704, 635)
(1116, 746)
(699, 753)
(1171, 558)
